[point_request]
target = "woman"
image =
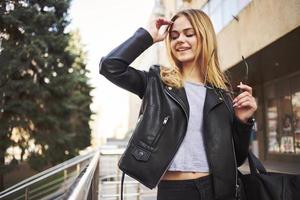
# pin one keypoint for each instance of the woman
(190, 135)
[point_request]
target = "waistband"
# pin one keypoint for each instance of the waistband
(199, 181)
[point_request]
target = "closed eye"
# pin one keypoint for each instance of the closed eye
(187, 32)
(190, 35)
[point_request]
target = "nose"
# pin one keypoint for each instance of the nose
(181, 38)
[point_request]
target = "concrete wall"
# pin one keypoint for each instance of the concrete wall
(260, 23)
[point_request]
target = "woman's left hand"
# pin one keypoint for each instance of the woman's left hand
(244, 104)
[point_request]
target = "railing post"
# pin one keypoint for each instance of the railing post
(65, 179)
(95, 183)
(26, 194)
(118, 184)
(138, 191)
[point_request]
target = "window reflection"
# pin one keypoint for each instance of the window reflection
(296, 122)
(273, 144)
(222, 11)
(283, 116)
(286, 133)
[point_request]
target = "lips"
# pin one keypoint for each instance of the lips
(182, 48)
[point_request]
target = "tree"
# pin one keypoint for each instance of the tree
(44, 94)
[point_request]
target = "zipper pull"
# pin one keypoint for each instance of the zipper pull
(139, 117)
(165, 120)
(237, 192)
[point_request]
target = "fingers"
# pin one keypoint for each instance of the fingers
(161, 21)
(158, 28)
(244, 102)
(242, 95)
(244, 87)
(245, 98)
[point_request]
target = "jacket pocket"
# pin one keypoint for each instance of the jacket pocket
(140, 153)
(160, 131)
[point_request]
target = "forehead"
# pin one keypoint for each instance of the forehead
(181, 23)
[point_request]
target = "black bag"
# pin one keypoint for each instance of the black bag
(263, 185)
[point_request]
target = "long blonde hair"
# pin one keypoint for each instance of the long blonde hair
(206, 54)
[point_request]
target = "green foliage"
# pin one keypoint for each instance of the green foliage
(43, 82)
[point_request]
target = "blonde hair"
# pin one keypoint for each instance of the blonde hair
(206, 54)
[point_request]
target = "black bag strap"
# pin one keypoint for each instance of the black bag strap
(122, 184)
(255, 164)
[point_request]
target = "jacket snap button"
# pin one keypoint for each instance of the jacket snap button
(170, 88)
(141, 153)
(220, 98)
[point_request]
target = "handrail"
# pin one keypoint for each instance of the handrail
(82, 182)
(82, 188)
(47, 173)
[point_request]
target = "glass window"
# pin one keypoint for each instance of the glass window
(221, 11)
(216, 17)
(272, 117)
(286, 133)
(242, 4)
(230, 10)
(283, 115)
(296, 122)
(296, 112)
(214, 4)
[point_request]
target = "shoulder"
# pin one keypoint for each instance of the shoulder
(155, 68)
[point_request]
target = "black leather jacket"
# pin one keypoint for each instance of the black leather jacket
(164, 116)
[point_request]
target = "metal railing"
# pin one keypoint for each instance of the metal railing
(53, 183)
(92, 176)
(110, 180)
(87, 186)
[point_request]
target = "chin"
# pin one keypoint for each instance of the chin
(183, 59)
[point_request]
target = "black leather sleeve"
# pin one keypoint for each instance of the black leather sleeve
(241, 133)
(241, 137)
(115, 66)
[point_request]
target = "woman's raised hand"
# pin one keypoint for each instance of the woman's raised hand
(157, 29)
(244, 104)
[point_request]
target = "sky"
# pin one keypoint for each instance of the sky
(104, 24)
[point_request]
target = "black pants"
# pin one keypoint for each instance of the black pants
(191, 189)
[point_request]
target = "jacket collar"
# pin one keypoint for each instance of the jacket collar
(179, 95)
(212, 98)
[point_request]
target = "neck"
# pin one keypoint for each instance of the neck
(191, 72)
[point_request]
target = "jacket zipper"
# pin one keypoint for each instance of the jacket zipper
(205, 139)
(160, 131)
(165, 170)
(237, 186)
(237, 196)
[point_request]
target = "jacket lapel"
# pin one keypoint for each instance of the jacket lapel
(212, 99)
(179, 95)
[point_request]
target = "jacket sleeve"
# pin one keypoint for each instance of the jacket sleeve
(115, 66)
(241, 133)
(241, 137)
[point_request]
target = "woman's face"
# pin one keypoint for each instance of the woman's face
(183, 40)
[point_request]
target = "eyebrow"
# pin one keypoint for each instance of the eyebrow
(186, 29)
